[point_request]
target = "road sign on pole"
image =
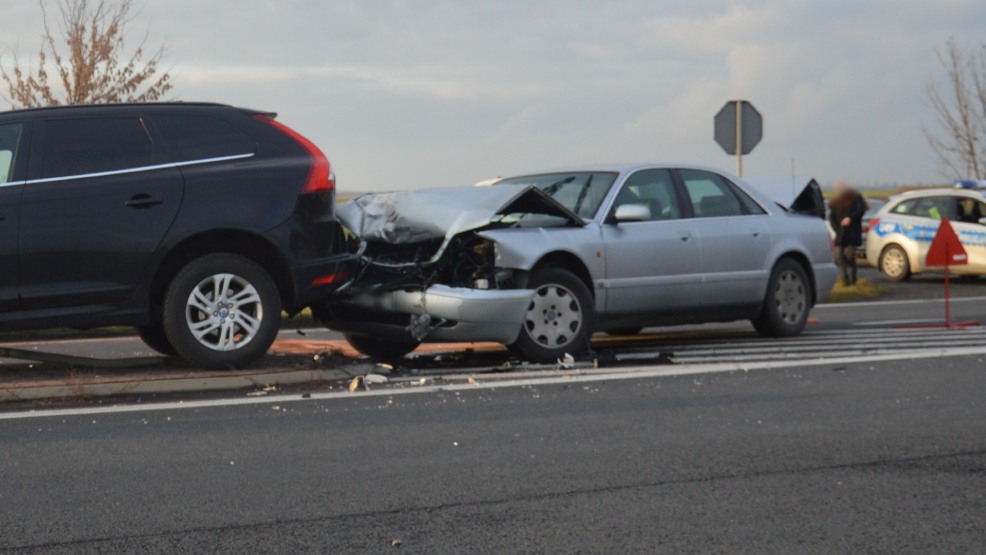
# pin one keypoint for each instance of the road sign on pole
(738, 128)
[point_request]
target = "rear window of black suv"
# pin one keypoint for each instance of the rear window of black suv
(197, 138)
(82, 146)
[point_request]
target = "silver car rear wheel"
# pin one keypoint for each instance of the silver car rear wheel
(788, 300)
(791, 297)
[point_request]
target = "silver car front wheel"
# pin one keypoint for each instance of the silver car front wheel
(559, 319)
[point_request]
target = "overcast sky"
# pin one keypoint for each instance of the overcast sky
(407, 94)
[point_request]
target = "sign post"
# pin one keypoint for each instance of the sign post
(946, 250)
(738, 128)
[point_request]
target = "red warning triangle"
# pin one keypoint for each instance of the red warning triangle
(946, 249)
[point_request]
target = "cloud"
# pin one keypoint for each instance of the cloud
(406, 93)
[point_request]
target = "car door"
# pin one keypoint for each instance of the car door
(734, 232)
(653, 265)
(11, 185)
(971, 233)
(98, 201)
(921, 224)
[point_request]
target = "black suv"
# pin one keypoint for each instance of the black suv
(196, 223)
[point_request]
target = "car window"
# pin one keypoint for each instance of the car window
(580, 192)
(9, 135)
(653, 189)
(93, 145)
(203, 137)
(937, 208)
(905, 207)
(970, 210)
(713, 196)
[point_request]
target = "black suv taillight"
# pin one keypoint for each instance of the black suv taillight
(321, 178)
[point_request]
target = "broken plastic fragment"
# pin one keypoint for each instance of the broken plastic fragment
(375, 379)
(471, 380)
(566, 362)
(256, 393)
(354, 384)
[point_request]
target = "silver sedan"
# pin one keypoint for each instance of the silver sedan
(540, 262)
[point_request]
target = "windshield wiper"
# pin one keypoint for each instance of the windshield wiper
(553, 188)
(582, 194)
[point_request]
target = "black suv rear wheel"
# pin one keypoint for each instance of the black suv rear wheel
(222, 311)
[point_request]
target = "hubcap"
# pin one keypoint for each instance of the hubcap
(791, 297)
(554, 317)
(224, 312)
(893, 262)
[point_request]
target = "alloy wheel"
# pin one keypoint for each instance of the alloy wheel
(224, 312)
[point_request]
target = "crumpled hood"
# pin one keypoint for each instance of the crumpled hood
(405, 217)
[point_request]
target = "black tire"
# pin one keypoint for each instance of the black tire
(624, 331)
(788, 301)
(560, 296)
(154, 337)
(894, 264)
(254, 300)
(384, 349)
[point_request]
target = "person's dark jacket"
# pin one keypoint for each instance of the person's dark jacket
(852, 205)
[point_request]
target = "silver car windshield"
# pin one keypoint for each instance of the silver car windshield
(580, 192)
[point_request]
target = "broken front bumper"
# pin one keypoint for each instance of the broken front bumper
(442, 313)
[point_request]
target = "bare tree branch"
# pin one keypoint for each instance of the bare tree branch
(959, 140)
(89, 56)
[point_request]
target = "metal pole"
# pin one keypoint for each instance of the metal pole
(948, 312)
(739, 138)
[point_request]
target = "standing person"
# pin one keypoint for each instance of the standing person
(846, 209)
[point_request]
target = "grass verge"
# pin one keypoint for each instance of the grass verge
(863, 290)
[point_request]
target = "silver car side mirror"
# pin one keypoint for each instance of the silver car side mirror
(632, 213)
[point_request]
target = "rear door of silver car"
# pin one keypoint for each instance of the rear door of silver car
(735, 234)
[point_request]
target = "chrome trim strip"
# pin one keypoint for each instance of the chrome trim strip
(210, 160)
(99, 174)
(130, 170)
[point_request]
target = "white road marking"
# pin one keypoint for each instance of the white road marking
(899, 322)
(551, 378)
(885, 303)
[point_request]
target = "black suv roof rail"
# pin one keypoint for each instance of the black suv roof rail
(177, 103)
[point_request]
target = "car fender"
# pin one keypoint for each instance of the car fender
(522, 249)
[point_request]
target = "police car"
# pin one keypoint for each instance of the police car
(901, 232)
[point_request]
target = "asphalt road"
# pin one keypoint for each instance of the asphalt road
(880, 457)
(815, 455)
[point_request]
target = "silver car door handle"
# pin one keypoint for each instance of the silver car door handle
(686, 236)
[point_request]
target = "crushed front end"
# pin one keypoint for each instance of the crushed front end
(426, 271)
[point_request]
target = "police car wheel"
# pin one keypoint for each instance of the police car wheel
(894, 264)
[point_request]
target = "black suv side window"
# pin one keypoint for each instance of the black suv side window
(195, 138)
(9, 134)
(71, 147)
